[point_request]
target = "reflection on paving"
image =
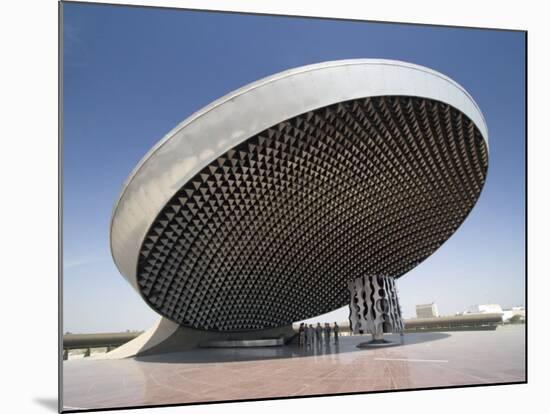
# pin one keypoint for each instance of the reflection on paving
(423, 360)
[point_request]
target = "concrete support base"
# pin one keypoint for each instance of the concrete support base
(166, 336)
(374, 308)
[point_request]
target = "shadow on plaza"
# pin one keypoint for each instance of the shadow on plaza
(346, 344)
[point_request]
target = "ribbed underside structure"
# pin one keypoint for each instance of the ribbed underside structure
(271, 231)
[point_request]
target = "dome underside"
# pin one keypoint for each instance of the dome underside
(271, 231)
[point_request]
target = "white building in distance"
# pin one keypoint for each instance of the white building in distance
(496, 308)
(428, 310)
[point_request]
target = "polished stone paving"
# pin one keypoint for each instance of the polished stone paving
(435, 359)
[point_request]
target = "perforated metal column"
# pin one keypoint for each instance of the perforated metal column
(374, 307)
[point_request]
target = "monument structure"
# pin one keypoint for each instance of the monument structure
(295, 195)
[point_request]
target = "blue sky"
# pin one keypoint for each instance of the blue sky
(131, 74)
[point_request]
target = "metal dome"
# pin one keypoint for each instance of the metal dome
(257, 210)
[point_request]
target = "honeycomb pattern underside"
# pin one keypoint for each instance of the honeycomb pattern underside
(271, 231)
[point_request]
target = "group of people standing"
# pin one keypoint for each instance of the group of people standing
(308, 334)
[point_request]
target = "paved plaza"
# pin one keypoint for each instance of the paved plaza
(435, 359)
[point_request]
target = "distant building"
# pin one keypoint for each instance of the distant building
(514, 311)
(518, 310)
(489, 308)
(427, 311)
(506, 314)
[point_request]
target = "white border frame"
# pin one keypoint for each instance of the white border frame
(28, 31)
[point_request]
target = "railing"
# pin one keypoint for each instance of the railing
(470, 322)
(444, 323)
(90, 341)
(459, 322)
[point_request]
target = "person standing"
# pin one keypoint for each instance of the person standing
(336, 329)
(319, 333)
(311, 333)
(327, 333)
(301, 335)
